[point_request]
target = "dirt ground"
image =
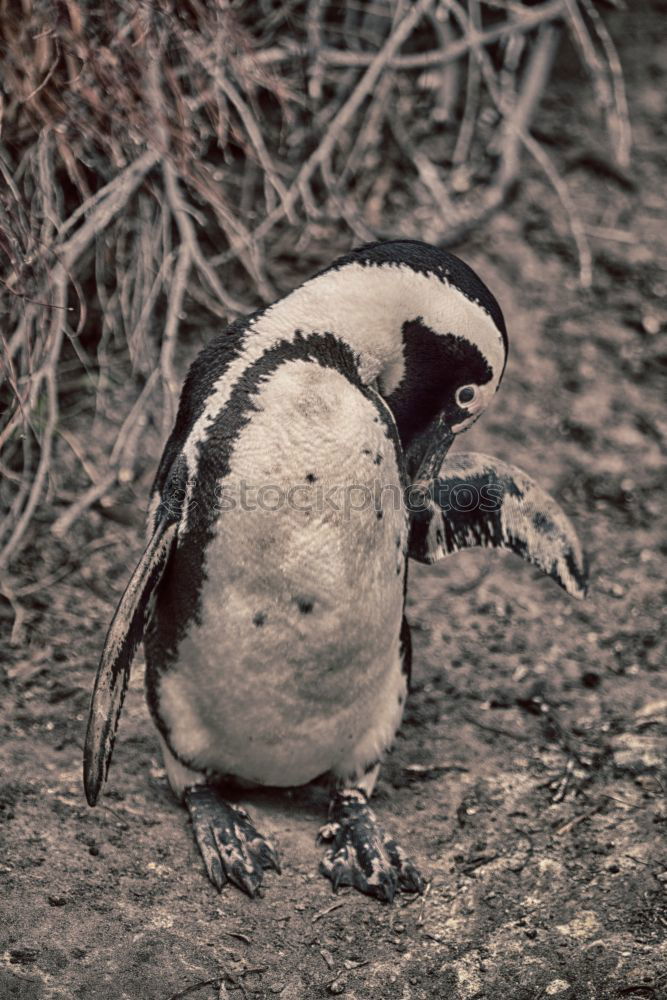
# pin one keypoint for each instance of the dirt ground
(528, 779)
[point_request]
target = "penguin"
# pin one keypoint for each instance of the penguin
(308, 463)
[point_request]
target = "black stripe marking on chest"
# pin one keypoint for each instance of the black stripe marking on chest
(209, 366)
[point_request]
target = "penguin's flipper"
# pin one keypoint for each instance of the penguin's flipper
(477, 500)
(125, 633)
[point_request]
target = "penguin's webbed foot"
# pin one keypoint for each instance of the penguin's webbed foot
(360, 855)
(232, 849)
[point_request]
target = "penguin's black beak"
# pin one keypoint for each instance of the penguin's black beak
(427, 451)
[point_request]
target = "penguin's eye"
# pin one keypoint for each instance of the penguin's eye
(465, 395)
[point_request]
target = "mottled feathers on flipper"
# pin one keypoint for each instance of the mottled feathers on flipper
(124, 635)
(477, 500)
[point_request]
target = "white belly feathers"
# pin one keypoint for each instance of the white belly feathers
(295, 661)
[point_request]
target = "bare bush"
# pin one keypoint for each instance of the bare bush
(166, 163)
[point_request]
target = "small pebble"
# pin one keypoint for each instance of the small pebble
(327, 956)
(651, 324)
(338, 986)
(556, 986)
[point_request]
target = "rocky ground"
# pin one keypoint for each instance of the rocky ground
(528, 778)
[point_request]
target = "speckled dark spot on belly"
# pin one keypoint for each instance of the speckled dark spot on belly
(259, 618)
(305, 606)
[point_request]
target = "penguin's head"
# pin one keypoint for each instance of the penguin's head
(453, 348)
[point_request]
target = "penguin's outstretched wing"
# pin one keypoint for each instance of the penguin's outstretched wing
(478, 500)
(125, 633)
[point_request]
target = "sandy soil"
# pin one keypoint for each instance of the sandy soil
(528, 778)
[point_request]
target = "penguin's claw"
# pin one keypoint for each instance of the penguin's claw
(409, 877)
(232, 849)
(360, 855)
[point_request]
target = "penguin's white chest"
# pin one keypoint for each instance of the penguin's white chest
(295, 660)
